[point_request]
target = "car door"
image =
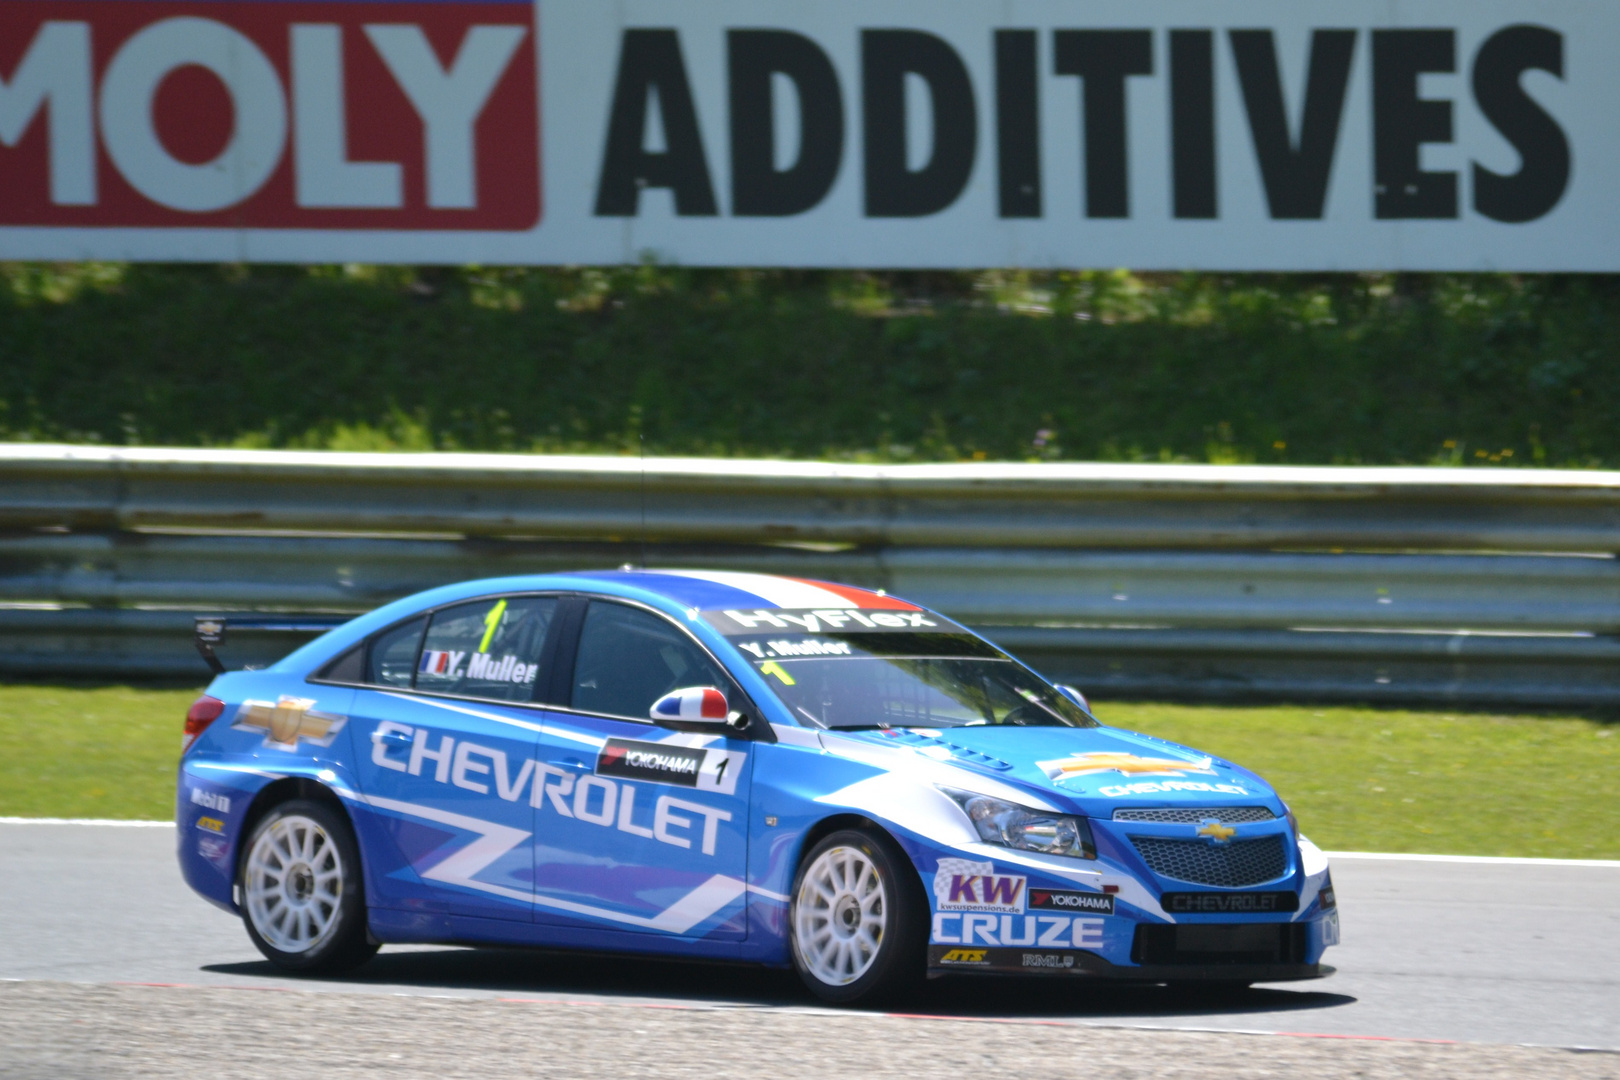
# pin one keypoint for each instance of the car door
(446, 748)
(640, 828)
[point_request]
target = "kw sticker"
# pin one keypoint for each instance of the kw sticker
(965, 885)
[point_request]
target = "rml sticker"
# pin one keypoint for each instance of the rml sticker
(269, 114)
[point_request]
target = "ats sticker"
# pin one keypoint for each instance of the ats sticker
(971, 957)
(1067, 900)
(704, 768)
(211, 824)
(287, 721)
(964, 885)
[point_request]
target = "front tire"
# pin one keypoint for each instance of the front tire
(857, 921)
(302, 896)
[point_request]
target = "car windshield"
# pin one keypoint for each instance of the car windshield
(876, 680)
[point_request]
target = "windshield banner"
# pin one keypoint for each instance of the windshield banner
(735, 623)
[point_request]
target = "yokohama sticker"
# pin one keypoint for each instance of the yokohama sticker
(1067, 900)
(663, 763)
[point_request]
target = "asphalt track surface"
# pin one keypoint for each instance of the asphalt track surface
(1486, 952)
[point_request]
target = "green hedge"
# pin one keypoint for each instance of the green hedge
(1303, 369)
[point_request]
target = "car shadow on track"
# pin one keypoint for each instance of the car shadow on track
(522, 973)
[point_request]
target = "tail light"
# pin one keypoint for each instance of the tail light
(204, 711)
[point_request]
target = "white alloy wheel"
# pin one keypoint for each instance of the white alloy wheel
(839, 916)
(293, 884)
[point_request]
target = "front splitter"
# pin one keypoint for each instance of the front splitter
(957, 960)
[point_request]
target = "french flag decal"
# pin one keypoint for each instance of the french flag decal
(434, 663)
(693, 703)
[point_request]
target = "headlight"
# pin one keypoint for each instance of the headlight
(1029, 830)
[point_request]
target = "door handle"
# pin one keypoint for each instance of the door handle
(569, 763)
(394, 738)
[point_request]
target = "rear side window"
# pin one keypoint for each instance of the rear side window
(629, 658)
(392, 659)
(489, 648)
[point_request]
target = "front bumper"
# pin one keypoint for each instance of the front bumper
(1223, 952)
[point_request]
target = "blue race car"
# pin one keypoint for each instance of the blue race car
(726, 766)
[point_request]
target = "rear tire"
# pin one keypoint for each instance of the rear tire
(302, 897)
(858, 921)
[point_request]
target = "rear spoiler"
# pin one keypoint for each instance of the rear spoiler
(210, 630)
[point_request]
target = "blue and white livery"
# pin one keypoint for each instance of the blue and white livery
(734, 767)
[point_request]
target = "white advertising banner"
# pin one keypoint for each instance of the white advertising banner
(1164, 134)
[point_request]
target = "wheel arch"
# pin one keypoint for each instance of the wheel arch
(849, 820)
(273, 795)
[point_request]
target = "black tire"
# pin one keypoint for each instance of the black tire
(896, 966)
(320, 896)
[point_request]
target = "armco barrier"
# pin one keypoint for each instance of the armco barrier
(1416, 584)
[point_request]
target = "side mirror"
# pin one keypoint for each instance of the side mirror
(1073, 695)
(697, 708)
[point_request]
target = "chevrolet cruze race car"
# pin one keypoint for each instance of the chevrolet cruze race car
(726, 766)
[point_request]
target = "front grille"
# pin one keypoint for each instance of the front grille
(1236, 865)
(1217, 943)
(1176, 815)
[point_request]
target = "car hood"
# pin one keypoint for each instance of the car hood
(1095, 768)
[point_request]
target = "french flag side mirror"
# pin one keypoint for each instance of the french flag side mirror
(697, 708)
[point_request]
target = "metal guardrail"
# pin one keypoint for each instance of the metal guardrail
(702, 500)
(1426, 584)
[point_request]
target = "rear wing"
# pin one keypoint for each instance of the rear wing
(210, 630)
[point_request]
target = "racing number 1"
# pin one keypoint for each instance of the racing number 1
(720, 770)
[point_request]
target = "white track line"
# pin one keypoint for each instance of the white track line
(113, 822)
(1497, 859)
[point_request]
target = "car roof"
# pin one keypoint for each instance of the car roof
(711, 590)
(700, 590)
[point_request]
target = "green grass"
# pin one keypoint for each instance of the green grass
(1364, 779)
(1297, 369)
(90, 751)
(1359, 779)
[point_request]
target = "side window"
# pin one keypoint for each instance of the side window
(629, 658)
(392, 659)
(489, 648)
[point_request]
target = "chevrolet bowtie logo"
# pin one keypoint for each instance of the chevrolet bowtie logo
(1217, 832)
(289, 719)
